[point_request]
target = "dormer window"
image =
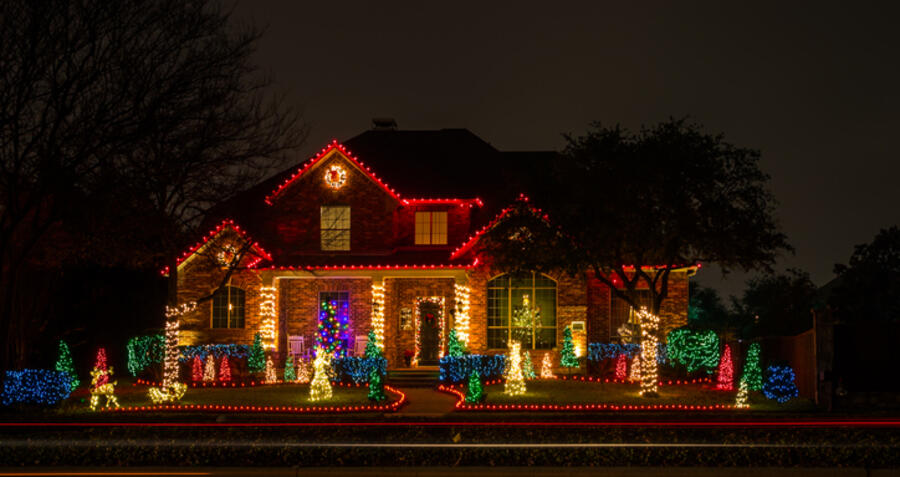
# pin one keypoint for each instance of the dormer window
(431, 228)
(335, 225)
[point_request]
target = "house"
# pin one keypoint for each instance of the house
(381, 233)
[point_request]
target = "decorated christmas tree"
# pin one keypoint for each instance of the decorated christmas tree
(567, 358)
(271, 378)
(725, 380)
(100, 365)
(635, 371)
(376, 385)
(740, 401)
(455, 347)
(302, 371)
(515, 380)
(474, 390)
(289, 375)
(621, 367)
(752, 369)
(64, 364)
(209, 369)
(333, 326)
(527, 367)
(372, 348)
(197, 369)
(256, 361)
(547, 367)
(780, 384)
(320, 387)
(225, 369)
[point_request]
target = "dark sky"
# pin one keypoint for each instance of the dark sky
(813, 86)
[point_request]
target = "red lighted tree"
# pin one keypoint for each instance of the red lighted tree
(197, 369)
(100, 365)
(225, 370)
(726, 371)
(621, 367)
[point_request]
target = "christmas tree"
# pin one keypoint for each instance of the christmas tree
(197, 369)
(725, 379)
(302, 371)
(780, 384)
(332, 328)
(64, 364)
(740, 401)
(455, 347)
(475, 390)
(225, 369)
(547, 367)
(527, 367)
(209, 369)
(372, 348)
(256, 361)
(289, 375)
(100, 365)
(621, 367)
(567, 358)
(376, 385)
(635, 374)
(515, 381)
(320, 387)
(271, 378)
(752, 370)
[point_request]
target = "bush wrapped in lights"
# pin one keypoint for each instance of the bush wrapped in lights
(780, 384)
(144, 352)
(695, 349)
(456, 370)
(600, 351)
(233, 351)
(43, 387)
(357, 369)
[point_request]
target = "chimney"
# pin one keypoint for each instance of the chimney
(384, 124)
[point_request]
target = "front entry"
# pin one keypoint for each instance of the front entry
(429, 332)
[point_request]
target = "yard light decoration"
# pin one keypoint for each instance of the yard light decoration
(373, 346)
(378, 314)
(268, 316)
(64, 364)
(649, 347)
(172, 389)
(515, 380)
(547, 366)
(461, 317)
(335, 177)
(527, 367)
(320, 387)
(256, 360)
(474, 389)
(331, 335)
(302, 371)
(289, 374)
(740, 402)
(725, 379)
(209, 369)
(196, 369)
(225, 369)
(635, 373)
(695, 349)
(271, 378)
(100, 383)
(752, 370)
(454, 347)
(567, 358)
(621, 367)
(376, 385)
(780, 384)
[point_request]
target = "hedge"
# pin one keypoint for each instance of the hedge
(457, 369)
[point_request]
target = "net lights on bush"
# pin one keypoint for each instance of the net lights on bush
(694, 349)
(515, 380)
(320, 387)
(378, 313)
(461, 317)
(36, 386)
(649, 344)
(780, 384)
(144, 351)
(725, 379)
(333, 328)
(268, 315)
(172, 389)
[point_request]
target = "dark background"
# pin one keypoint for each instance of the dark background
(813, 85)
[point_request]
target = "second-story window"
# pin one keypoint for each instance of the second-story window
(431, 228)
(335, 227)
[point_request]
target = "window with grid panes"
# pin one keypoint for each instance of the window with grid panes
(505, 295)
(228, 308)
(620, 312)
(431, 228)
(335, 226)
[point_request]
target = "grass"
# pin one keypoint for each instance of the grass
(578, 392)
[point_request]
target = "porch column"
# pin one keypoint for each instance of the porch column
(378, 309)
(461, 312)
(268, 312)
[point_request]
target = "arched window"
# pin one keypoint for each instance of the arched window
(522, 307)
(228, 308)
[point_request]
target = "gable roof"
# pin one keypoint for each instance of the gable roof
(314, 161)
(227, 224)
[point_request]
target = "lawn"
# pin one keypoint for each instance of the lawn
(578, 392)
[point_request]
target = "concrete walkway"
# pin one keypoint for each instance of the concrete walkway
(426, 402)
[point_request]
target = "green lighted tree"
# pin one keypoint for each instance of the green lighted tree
(376, 385)
(289, 374)
(752, 369)
(475, 390)
(257, 359)
(527, 367)
(455, 347)
(372, 349)
(64, 363)
(567, 358)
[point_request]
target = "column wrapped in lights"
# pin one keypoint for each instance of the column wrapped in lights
(378, 313)
(649, 347)
(461, 316)
(172, 389)
(268, 316)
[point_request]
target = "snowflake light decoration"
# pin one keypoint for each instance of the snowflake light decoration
(335, 177)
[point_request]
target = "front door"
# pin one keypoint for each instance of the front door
(429, 333)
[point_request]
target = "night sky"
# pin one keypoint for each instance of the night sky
(813, 86)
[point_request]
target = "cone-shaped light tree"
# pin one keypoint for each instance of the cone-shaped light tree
(474, 390)
(64, 363)
(753, 369)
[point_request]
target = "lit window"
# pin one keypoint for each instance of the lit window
(521, 307)
(431, 228)
(335, 227)
(228, 308)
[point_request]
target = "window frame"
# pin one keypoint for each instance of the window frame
(643, 296)
(510, 308)
(323, 230)
(231, 310)
(430, 234)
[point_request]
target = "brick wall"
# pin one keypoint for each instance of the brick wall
(401, 293)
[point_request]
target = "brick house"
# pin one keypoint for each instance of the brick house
(333, 233)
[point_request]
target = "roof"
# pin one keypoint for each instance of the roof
(227, 224)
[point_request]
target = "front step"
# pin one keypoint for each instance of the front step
(424, 377)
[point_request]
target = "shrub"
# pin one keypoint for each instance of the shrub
(36, 386)
(695, 349)
(456, 369)
(144, 351)
(357, 369)
(234, 351)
